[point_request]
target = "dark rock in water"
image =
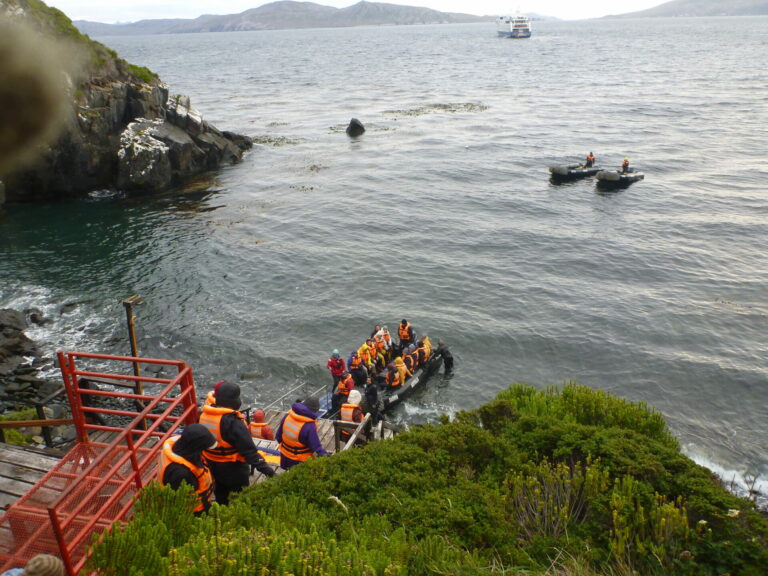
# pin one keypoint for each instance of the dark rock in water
(36, 316)
(355, 128)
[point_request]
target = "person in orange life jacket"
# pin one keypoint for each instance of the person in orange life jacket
(405, 334)
(625, 166)
(351, 412)
(402, 370)
(336, 366)
(259, 427)
(235, 456)
(590, 160)
(411, 358)
(210, 398)
(343, 389)
(393, 378)
(366, 354)
(297, 434)
(181, 460)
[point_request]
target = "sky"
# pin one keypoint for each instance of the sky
(112, 11)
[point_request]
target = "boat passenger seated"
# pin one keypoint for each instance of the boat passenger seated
(365, 352)
(409, 359)
(402, 369)
(393, 378)
(423, 351)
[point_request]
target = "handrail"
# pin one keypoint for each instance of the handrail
(33, 423)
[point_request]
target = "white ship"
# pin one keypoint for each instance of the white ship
(514, 26)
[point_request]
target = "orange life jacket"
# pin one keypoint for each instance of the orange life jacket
(211, 419)
(410, 362)
(210, 399)
(290, 446)
(346, 385)
(203, 475)
(422, 353)
(355, 363)
(261, 430)
(403, 332)
(347, 414)
(365, 354)
(393, 378)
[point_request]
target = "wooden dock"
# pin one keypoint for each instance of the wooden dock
(20, 469)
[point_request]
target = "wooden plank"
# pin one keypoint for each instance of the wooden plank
(12, 471)
(28, 458)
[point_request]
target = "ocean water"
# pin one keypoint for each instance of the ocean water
(443, 213)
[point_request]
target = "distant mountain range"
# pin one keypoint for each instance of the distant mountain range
(283, 15)
(287, 14)
(704, 8)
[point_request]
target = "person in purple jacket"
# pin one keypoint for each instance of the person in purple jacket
(297, 434)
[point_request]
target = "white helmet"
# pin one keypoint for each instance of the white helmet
(354, 398)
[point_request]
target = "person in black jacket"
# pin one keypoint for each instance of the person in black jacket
(181, 461)
(442, 349)
(235, 456)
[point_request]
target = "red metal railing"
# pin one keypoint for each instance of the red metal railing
(115, 455)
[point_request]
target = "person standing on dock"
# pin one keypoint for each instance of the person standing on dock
(235, 454)
(351, 412)
(181, 460)
(259, 427)
(297, 434)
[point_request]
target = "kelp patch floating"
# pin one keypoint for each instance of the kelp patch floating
(438, 108)
(275, 141)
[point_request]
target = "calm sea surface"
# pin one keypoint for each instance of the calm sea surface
(443, 213)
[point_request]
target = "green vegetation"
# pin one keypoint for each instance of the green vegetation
(14, 435)
(100, 60)
(142, 73)
(564, 482)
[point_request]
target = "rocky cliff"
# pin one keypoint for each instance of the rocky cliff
(123, 129)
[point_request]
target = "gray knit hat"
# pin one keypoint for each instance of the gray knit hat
(312, 403)
(44, 565)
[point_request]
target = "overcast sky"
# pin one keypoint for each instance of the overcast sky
(132, 10)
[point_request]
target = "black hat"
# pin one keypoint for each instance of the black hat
(194, 440)
(228, 396)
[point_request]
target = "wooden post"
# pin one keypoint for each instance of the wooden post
(128, 303)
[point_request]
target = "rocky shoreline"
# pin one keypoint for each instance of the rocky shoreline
(120, 126)
(21, 386)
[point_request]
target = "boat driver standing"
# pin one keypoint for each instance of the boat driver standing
(625, 166)
(590, 160)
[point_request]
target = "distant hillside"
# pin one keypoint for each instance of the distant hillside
(704, 8)
(285, 14)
